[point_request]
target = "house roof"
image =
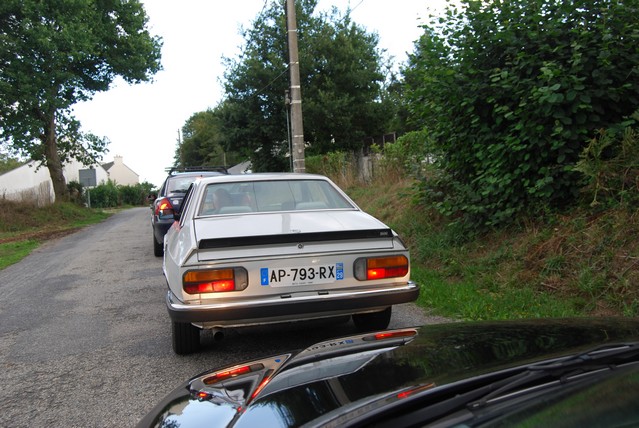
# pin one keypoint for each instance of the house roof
(240, 168)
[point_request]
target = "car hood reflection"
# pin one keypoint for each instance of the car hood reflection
(340, 380)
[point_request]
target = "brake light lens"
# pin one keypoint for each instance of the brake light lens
(215, 280)
(416, 390)
(372, 268)
(164, 208)
(395, 334)
(236, 371)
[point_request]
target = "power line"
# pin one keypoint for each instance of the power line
(273, 81)
(358, 4)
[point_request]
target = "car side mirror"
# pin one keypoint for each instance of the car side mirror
(177, 216)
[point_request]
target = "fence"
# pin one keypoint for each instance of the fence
(38, 196)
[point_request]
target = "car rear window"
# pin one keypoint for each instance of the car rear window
(180, 184)
(271, 196)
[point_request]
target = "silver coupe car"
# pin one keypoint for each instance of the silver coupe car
(264, 248)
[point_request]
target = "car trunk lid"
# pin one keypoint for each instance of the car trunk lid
(289, 233)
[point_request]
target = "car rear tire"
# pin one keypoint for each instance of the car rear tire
(186, 338)
(373, 320)
(158, 248)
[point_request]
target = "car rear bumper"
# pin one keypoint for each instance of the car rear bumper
(288, 307)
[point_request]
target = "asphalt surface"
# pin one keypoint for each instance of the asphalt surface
(85, 336)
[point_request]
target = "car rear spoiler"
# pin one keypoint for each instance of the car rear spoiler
(288, 238)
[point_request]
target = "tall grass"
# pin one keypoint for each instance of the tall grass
(20, 217)
(568, 264)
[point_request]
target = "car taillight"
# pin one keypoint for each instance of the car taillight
(164, 208)
(416, 390)
(394, 334)
(215, 280)
(234, 372)
(380, 267)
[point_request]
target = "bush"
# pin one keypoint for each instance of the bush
(76, 192)
(610, 164)
(404, 158)
(511, 103)
(110, 195)
(341, 167)
(105, 195)
(136, 194)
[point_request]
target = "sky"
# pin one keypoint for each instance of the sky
(142, 121)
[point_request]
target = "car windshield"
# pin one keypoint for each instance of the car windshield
(271, 196)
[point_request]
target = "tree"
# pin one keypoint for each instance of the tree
(202, 142)
(511, 92)
(54, 54)
(341, 74)
(7, 162)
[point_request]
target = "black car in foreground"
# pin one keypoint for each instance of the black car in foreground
(541, 373)
(169, 199)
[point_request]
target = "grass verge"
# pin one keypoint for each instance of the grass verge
(23, 227)
(13, 252)
(579, 263)
(463, 300)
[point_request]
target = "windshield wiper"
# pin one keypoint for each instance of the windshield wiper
(477, 393)
(599, 358)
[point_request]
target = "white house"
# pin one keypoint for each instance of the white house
(26, 184)
(120, 173)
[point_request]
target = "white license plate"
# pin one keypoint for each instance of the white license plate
(307, 275)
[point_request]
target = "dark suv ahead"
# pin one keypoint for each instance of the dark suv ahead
(169, 199)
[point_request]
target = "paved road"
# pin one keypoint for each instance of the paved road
(85, 336)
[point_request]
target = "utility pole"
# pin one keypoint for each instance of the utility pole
(297, 124)
(179, 142)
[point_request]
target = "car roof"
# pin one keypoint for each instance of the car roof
(194, 174)
(196, 169)
(264, 176)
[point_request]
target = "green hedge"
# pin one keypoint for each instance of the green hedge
(110, 194)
